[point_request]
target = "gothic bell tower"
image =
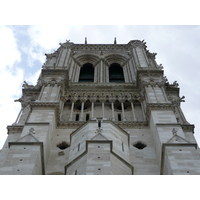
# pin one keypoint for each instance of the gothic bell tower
(101, 109)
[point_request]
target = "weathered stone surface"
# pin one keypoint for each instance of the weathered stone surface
(109, 122)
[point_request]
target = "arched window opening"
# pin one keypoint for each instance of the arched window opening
(116, 73)
(127, 105)
(77, 105)
(87, 105)
(87, 73)
(117, 105)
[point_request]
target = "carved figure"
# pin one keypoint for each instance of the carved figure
(26, 85)
(178, 100)
(31, 131)
(175, 84)
(174, 131)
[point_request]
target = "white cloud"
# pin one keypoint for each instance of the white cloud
(31, 79)
(8, 48)
(10, 80)
(43, 39)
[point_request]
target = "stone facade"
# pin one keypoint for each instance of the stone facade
(100, 109)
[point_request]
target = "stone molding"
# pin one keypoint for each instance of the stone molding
(99, 47)
(81, 84)
(15, 128)
(188, 128)
(131, 124)
(160, 106)
(121, 124)
(104, 95)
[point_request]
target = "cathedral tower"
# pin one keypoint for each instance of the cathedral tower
(101, 109)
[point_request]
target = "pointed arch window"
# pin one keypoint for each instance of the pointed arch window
(87, 73)
(116, 73)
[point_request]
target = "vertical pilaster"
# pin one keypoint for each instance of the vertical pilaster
(126, 78)
(136, 57)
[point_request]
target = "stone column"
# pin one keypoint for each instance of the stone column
(102, 100)
(101, 72)
(72, 109)
(92, 109)
(123, 114)
(113, 112)
(133, 111)
(102, 109)
(82, 108)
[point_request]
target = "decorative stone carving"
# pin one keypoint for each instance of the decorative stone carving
(26, 85)
(174, 131)
(137, 43)
(52, 82)
(175, 84)
(31, 131)
(151, 55)
(67, 44)
(177, 100)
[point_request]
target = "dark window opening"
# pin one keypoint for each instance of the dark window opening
(63, 145)
(122, 146)
(117, 105)
(139, 145)
(78, 146)
(87, 73)
(87, 117)
(77, 117)
(75, 172)
(99, 123)
(119, 117)
(116, 73)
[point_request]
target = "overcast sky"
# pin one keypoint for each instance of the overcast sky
(22, 52)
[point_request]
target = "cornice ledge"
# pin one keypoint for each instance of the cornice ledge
(188, 127)
(160, 106)
(73, 124)
(102, 84)
(44, 104)
(145, 69)
(15, 128)
(130, 124)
